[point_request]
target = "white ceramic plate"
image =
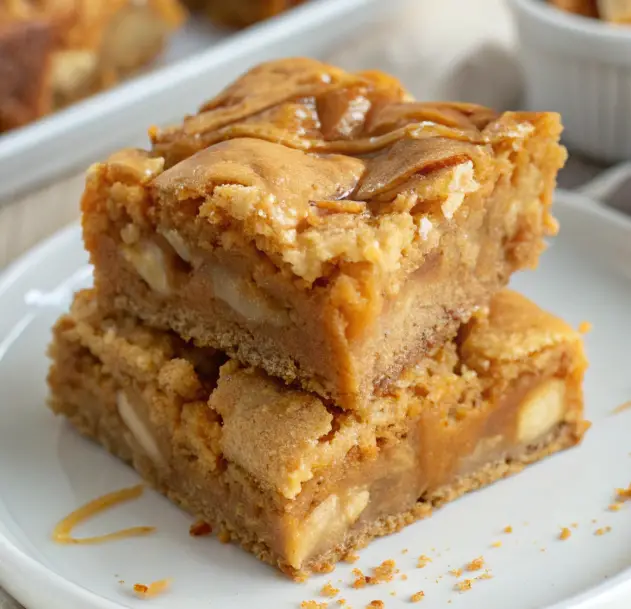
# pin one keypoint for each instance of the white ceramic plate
(46, 471)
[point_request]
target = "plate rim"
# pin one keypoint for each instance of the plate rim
(38, 576)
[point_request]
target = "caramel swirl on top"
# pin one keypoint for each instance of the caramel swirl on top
(320, 168)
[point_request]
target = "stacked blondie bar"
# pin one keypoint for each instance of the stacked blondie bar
(299, 330)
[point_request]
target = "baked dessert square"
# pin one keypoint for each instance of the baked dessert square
(322, 225)
(64, 50)
(295, 480)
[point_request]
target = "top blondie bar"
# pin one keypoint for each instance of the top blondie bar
(322, 225)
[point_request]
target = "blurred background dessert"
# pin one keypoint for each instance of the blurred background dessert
(241, 13)
(55, 52)
(614, 11)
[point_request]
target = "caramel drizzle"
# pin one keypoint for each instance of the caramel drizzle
(622, 408)
(62, 533)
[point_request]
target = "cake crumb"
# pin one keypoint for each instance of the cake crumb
(565, 534)
(341, 601)
(615, 507)
(404, 551)
(422, 561)
(602, 531)
(508, 529)
(404, 577)
(360, 579)
(464, 585)
(623, 494)
(313, 605)
(393, 593)
(417, 596)
(375, 605)
(622, 408)
(496, 544)
(594, 521)
(121, 581)
(351, 558)
(301, 578)
(584, 327)
(329, 590)
(574, 525)
(325, 567)
(383, 573)
(485, 575)
(456, 572)
(476, 564)
(153, 589)
(224, 536)
(200, 529)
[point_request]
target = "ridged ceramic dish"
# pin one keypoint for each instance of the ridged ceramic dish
(580, 67)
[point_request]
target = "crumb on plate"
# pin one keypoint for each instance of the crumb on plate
(476, 564)
(329, 590)
(200, 529)
(463, 585)
(422, 561)
(153, 589)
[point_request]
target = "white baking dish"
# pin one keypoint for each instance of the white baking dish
(581, 68)
(67, 141)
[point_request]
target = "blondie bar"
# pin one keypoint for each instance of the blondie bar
(322, 225)
(67, 49)
(295, 480)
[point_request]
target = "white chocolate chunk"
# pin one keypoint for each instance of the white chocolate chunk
(462, 183)
(541, 409)
(327, 523)
(245, 298)
(150, 262)
(176, 241)
(138, 429)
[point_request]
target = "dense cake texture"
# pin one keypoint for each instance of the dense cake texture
(322, 225)
(295, 480)
(54, 52)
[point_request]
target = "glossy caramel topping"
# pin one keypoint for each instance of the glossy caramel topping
(319, 167)
(305, 104)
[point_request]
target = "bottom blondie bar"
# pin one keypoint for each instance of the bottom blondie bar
(295, 480)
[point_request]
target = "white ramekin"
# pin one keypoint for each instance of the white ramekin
(581, 68)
